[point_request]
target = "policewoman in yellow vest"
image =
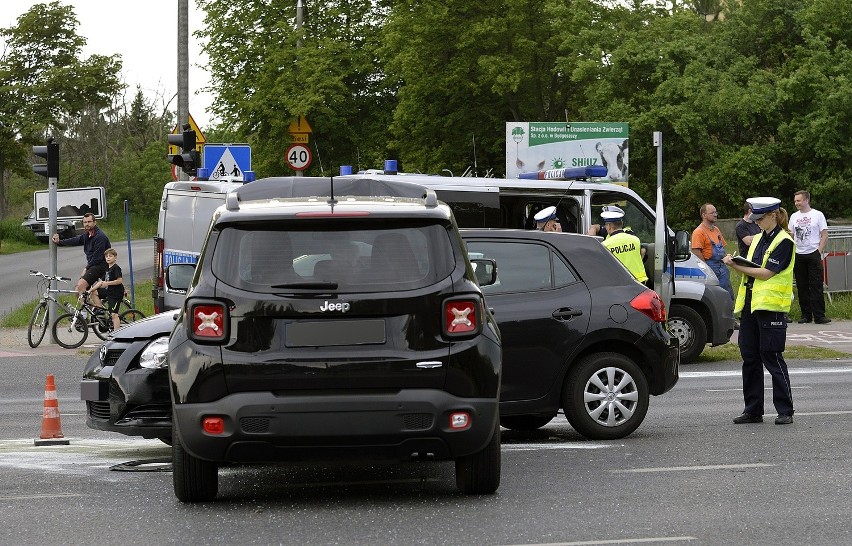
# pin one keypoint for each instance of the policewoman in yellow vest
(763, 300)
(624, 246)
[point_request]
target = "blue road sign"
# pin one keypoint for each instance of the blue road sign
(227, 160)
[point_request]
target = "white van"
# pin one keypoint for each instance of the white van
(186, 210)
(700, 312)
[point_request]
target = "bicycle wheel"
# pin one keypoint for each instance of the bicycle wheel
(101, 325)
(70, 330)
(38, 325)
(131, 315)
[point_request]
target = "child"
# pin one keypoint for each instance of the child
(111, 287)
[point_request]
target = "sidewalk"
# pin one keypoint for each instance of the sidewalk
(13, 342)
(836, 335)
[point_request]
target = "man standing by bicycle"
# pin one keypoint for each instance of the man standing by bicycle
(95, 243)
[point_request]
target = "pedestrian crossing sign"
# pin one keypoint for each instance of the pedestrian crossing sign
(227, 161)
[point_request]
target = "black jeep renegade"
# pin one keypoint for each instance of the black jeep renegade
(337, 325)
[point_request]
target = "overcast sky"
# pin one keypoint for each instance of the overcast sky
(144, 33)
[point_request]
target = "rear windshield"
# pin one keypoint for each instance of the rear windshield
(262, 258)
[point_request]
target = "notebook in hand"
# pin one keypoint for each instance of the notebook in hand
(739, 260)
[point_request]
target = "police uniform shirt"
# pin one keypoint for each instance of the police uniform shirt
(778, 261)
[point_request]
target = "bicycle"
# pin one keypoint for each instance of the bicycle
(38, 320)
(71, 329)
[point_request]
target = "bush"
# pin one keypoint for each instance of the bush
(11, 230)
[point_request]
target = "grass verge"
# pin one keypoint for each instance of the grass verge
(730, 351)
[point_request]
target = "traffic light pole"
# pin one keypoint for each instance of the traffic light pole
(53, 309)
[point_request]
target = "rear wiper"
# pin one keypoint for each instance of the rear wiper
(308, 285)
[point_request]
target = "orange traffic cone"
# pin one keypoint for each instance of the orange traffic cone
(51, 425)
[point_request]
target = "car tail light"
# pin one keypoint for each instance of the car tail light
(461, 317)
(213, 425)
(460, 420)
(650, 304)
(207, 320)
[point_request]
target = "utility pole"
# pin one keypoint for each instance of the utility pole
(183, 68)
(300, 19)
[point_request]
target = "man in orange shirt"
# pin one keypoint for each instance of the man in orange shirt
(708, 243)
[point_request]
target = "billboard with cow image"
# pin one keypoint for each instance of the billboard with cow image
(539, 146)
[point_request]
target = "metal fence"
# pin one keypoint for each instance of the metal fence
(837, 260)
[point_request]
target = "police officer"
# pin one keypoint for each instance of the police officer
(763, 299)
(545, 220)
(624, 246)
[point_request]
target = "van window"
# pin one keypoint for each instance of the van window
(259, 257)
(636, 217)
(473, 208)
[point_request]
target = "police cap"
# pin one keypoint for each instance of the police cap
(612, 213)
(545, 214)
(762, 205)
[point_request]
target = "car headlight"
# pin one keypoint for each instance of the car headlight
(155, 354)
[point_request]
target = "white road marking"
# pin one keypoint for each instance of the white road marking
(576, 445)
(738, 373)
(740, 389)
(614, 541)
(34, 497)
(682, 468)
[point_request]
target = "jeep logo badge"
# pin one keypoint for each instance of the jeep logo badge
(328, 306)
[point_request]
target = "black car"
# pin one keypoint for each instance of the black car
(64, 227)
(126, 383)
(568, 313)
(334, 328)
(579, 333)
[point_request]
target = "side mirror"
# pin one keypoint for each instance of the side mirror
(179, 276)
(681, 249)
(485, 270)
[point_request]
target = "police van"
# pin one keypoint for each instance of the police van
(186, 209)
(700, 311)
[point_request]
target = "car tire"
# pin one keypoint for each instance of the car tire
(687, 325)
(605, 396)
(525, 423)
(194, 479)
(479, 473)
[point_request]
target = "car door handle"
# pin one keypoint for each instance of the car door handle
(566, 313)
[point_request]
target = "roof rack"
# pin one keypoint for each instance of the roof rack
(330, 187)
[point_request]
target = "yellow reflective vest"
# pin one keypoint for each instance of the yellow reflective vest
(626, 248)
(776, 293)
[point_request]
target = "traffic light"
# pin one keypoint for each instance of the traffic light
(189, 159)
(51, 154)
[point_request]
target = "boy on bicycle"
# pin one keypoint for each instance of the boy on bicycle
(110, 287)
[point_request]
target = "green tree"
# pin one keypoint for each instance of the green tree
(267, 74)
(46, 85)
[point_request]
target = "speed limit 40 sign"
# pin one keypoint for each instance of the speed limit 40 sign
(299, 157)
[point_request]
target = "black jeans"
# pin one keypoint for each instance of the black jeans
(809, 282)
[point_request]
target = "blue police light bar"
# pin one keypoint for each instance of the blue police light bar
(568, 173)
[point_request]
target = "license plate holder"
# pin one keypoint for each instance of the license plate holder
(334, 332)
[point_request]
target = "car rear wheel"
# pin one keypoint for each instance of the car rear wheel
(195, 480)
(479, 473)
(689, 328)
(605, 396)
(525, 423)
